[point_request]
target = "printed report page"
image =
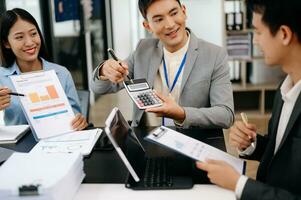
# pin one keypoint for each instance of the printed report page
(45, 103)
(192, 148)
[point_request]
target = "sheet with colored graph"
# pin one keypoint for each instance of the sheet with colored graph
(45, 103)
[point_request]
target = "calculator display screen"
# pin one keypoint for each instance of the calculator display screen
(137, 87)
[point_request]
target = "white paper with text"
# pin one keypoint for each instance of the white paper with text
(192, 148)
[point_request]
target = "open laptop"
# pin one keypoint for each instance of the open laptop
(144, 173)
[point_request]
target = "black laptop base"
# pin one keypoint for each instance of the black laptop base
(162, 173)
(178, 183)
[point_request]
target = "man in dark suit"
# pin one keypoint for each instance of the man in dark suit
(277, 26)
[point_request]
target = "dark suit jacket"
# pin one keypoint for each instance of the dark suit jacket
(279, 175)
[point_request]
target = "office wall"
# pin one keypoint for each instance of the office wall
(122, 24)
(206, 19)
(32, 6)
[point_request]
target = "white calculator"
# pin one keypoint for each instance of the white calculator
(140, 92)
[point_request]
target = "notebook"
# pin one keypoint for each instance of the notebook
(146, 173)
(11, 134)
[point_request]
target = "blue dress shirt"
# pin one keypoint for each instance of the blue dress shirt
(13, 115)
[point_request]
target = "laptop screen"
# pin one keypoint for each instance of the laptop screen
(125, 142)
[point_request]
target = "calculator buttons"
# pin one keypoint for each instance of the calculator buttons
(145, 99)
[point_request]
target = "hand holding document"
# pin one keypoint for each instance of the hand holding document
(192, 148)
(49, 113)
(44, 103)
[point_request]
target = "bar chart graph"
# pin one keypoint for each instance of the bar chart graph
(45, 103)
(51, 94)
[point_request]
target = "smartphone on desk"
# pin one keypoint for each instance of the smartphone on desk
(140, 92)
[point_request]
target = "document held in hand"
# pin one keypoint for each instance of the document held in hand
(45, 104)
(192, 148)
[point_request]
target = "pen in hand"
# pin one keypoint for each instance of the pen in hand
(245, 120)
(112, 53)
(16, 94)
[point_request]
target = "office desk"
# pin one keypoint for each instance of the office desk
(119, 192)
(104, 166)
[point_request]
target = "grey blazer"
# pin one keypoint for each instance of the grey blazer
(206, 91)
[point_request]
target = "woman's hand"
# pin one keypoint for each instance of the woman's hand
(79, 122)
(4, 98)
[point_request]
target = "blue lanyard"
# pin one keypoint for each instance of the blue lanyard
(175, 80)
(177, 75)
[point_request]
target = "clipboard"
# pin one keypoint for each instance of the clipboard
(192, 148)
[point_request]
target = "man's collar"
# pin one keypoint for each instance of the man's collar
(289, 91)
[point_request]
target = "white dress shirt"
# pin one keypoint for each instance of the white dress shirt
(173, 62)
(289, 93)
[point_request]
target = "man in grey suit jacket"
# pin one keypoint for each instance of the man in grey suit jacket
(202, 95)
(278, 33)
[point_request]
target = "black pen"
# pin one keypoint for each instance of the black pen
(112, 53)
(16, 94)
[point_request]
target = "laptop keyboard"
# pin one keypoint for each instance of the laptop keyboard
(156, 174)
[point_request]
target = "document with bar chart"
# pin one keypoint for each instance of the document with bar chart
(45, 103)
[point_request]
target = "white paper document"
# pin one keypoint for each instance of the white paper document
(192, 148)
(45, 103)
(11, 134)
(75, 142)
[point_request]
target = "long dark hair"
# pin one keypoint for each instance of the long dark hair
(8, 19)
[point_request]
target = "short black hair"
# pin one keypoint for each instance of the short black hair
(145, 4)
(8, 19)
(276, 13)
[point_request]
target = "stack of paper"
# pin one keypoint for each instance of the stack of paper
(41, 176)
(11, 134)
(79, 141)
(5, 154)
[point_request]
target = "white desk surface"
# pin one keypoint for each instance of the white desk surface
(119, 192)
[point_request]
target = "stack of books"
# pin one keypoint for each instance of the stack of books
(234, 15)
(239, 46)
(41, 176)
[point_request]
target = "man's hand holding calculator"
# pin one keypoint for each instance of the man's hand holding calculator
(169, 109)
